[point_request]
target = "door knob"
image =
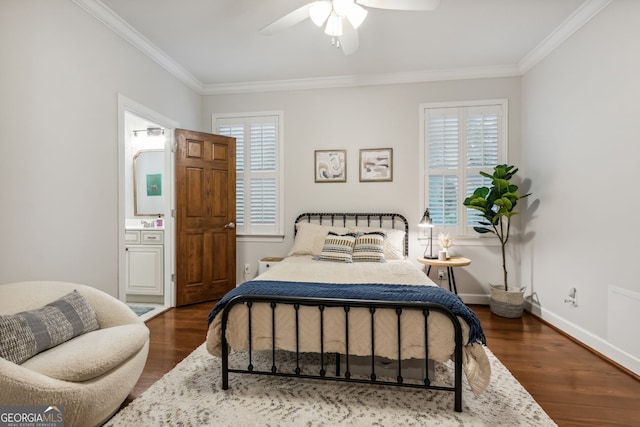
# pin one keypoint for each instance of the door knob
(231, 225)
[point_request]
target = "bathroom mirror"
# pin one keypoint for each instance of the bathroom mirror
(148, 191)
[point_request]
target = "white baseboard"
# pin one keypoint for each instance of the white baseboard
(629, 361)
(480, 299)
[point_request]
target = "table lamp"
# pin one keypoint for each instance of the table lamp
(426, 222)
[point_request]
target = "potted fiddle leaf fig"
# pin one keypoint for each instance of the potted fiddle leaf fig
(496, 205)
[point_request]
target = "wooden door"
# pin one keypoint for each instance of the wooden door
(205, 216)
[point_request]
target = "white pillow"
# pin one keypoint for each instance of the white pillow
(393, 244)
(310, 237)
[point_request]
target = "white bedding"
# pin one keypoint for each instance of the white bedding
(305, 269)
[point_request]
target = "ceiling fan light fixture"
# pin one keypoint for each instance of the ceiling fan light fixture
(319, 12)
(332, 15)
(356, 15)
(334, 26)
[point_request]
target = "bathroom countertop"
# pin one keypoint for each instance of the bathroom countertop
(137, 224)
(140, 227)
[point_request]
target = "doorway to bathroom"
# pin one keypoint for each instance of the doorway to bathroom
(146, 225)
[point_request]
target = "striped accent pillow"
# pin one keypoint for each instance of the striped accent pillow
(338, 247)
(28, 333)
(369, 247)
(393, 242)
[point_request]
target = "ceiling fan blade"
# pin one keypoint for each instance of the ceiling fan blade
(289, 20)
(349, 41)
(418, 5)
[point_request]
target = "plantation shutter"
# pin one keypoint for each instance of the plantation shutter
(257, 172)
(237, 131)
(483, 125)
(460, 141)
(443, 136)
(263, 175)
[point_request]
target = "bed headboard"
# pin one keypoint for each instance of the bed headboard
(382, 220)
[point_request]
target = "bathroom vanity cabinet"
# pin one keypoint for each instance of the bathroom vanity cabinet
(144, 262)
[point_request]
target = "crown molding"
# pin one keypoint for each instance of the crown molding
(122, 28)
(363, 80)
(573, 23)
(576, 20)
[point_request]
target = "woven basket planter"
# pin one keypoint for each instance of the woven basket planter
(506, 303)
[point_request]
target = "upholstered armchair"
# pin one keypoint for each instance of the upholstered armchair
(89, 375)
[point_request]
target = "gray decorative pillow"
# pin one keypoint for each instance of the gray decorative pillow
(369, 247)
(25, 334)
(338, 247)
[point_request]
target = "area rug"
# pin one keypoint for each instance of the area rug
(191, 395)
(140, 309)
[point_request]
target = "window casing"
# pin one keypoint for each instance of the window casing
(458, 141)
(259, 164)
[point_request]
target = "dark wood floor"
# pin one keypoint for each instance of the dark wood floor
(573, 385)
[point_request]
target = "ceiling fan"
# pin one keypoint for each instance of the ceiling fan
(343, 17)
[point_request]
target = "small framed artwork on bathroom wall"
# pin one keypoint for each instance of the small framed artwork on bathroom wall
(376, 165)
(330, 165)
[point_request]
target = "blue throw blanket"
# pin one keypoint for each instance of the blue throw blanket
(366, 291)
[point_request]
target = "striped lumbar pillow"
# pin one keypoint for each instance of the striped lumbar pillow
(338, 247)
(28, 333)
(369, 247)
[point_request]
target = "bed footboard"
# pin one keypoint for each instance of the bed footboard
(346, 305)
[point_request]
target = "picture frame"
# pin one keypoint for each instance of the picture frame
(376, 164)
(330, 165)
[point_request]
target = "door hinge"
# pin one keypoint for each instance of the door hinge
(173, 213)
(174, 147)
(173, 277)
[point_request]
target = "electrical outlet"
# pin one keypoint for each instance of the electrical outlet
(247, 268)
(441, 274)
(572, 297)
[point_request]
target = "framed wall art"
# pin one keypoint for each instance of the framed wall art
(376, 165)
(330, 165)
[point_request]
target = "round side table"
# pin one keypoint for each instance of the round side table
(454, 261)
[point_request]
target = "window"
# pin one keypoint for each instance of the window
(460, 140)
(258, 170)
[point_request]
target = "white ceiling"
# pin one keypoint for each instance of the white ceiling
(214, 45)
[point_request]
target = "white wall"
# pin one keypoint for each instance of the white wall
(580, 150)
(61, 71)
(367, 117)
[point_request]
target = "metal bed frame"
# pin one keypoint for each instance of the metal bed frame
(321, 304)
